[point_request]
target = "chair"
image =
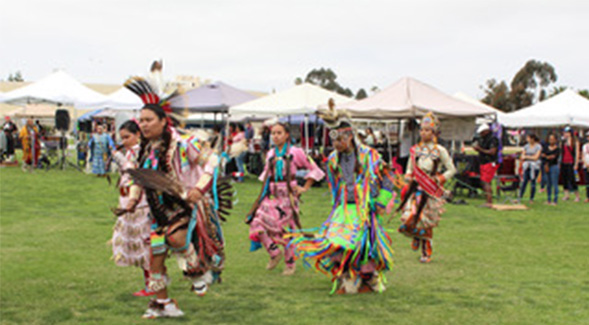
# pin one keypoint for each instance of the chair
(507, 179)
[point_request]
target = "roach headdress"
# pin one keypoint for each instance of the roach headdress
(148, 95)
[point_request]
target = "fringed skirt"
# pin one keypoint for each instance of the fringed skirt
(205, 233)
(346, 244)
(429, 217)
(274, 215)
(130, 239)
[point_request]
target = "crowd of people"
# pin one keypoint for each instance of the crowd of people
(173, 196)
(553, 160)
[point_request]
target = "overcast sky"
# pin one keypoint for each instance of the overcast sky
(265, 45)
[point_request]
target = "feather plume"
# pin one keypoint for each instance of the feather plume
(143, 89)
(158, 181)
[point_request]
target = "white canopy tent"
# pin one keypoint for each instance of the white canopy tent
(409, 97)
(57, 88)
(213, 117)
(566, 108)
(301, 99)
(124, 99)
(464, 97)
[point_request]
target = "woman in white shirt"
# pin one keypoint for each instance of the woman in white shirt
(531, 165)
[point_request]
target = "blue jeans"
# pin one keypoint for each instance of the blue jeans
(544, 179)
(552, 179)
(531, 177)
(239, 161)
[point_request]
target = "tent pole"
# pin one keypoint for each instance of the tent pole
(389, 148)
(306, 133)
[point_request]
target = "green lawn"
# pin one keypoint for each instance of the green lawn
(525, 267)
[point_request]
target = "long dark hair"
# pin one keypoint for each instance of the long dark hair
(131, 126)
(166, 137)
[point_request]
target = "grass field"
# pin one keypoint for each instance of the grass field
(524, 267)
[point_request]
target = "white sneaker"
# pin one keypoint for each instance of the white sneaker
(158, 310)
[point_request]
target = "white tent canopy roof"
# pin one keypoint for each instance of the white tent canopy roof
(566, 108)
(302, 99)
(409, 97)
(57, 88)
(124, 99)
(210, 117)
(464, 97)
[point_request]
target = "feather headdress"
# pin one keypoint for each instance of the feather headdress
(335, 119)
(142, 88)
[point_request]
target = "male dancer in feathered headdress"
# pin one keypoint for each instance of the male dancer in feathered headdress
(422, 198)
(179, 179)
(351, 246)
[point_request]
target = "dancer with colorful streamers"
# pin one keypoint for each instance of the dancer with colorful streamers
(352, 247)
(422, 199)
(277, 208)
(180, 182)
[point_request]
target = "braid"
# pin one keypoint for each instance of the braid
(167, 139)
(142, 149)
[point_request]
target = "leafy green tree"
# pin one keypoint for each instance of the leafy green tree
(16, 77)
(361, 94)
(497, 95)
(584, 93)
(528, 86)
(556, 90)
(326, 79)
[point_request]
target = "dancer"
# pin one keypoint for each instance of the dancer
(422, 199)
(130, 240)
(351, 247)
(179, 178)
(277, 207)
(100, 145)
(31, 145)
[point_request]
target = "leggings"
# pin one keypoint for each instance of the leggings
(568, 176)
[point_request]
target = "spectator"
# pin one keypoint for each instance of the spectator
(238, 150)
(551, 155)
(249, 131)
(216, 139)
(40, 128)
(570, 163)
(10, 130)
(100, 144)
(31, 146)
(370, 138)
(487, 147)
(266, 139)
(531, 165)
(586, 164)
(405, 143)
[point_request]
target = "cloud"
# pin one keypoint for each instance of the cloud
(454, 45)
